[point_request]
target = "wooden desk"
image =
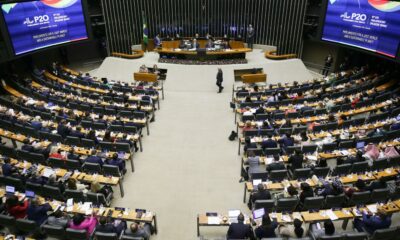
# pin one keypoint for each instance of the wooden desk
(145, 77)
(254, 78)
(50, 76)
(129, 215)
(81, 176)
(272, 55)
(239, 53)
(21, 138)
(135, 54)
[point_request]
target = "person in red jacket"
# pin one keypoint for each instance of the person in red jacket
(15, 208)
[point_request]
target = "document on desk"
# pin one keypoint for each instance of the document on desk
(372, 208)
(286, 218)
(233, 213)
(213, 220)
(331, 215)
(48, 172)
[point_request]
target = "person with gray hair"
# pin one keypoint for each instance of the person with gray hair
(139, 230)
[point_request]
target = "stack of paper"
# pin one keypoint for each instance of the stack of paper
(331, 215)
(213, 220)
(372, 208)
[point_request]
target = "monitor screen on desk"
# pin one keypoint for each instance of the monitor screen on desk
(360, 145)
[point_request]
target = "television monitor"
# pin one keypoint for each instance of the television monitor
(372, 25)
(39, 24)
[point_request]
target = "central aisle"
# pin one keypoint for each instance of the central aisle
(188, 165)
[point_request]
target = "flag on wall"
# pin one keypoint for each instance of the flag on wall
(145, 31)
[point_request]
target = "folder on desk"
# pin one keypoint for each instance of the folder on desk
(331, 215)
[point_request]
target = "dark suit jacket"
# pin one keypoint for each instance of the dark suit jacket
(77, 134)
(269, 143)
(36, 125)
(240, 231)
(296, 161)
(219, 77)
(94, 159)
(275, 166)
(28, 148)
(107, 228)
(263, 195)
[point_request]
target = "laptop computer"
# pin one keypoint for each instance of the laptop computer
(258, 213)
(360, 145)
(10, 190)
(29, 194)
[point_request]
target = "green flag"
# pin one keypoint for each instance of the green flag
(145, 31)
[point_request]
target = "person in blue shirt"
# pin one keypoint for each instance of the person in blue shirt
(77, 133)
(37, 123)
(7, 168)
(27, 146)
(269, 143)
(370, 222)
(120, 163)
(37, 212)
(93, 158)
(157, 41)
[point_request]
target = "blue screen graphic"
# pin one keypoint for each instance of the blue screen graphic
(39, 24)
(373, 25)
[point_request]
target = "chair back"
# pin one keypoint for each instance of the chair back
(268, 205)
(278, 175)
(302, 173)
(356, 236)
(77, 195)
(91, 167)
(73, 234)
(52, 193)
(25, 225)
(380, 195)
(360, 198)
(286, 204)
(337, 201)
(111, 170)
(54, 231)
(321, 172)
(105, 236)
(313, 203)
(385, 234)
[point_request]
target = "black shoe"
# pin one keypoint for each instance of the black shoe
(152, 119)
(136, 149)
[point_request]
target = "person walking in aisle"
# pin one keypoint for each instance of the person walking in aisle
(220, 80)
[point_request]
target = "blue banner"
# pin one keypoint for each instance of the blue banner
(39, 24)
(373, 25)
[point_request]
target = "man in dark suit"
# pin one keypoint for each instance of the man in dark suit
(37, 124)
(93, 158)
(37, 212)
(276, 165)
(7, 168)
(220, 80)
(296, 160)
(77, 133)
(269, 143)
(105, 227)
(261, 194)
(27, 146)
(240, 230)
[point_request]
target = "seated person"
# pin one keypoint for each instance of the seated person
(93, 158)
(106, 190)
(261, 194)
(377, 184)
(248, 144)
(139, 230)
(115, 161)
(16, 208)
(269, 143)
(37, 123)
(7, 168)
(276, 165)
(306, 191)
(267, 228)
(38, 212)
(209, 44)
(77, 133)
(290, 192)
(370, 222)
(58, 218)
(72, 155)
(359, 186)
(254, 166)
(289, 231)
(63, 129)
(52, 181)
(286, 141)
(296, 160)
(240, 230)
(108, 226)
(27, 146)
(195, 44)
(335, 188)
(72, 184)
(328, 230)
(182, 44)
(36, 178)
(56, 153)
(79, 222)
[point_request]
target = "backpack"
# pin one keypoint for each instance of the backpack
(232, 136)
